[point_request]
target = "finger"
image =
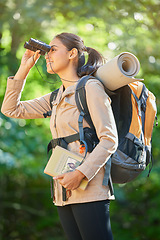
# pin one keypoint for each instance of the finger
(58, 177)
(29, 52)
(62, 184)
(36, 55)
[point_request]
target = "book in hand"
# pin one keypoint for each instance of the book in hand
(62, 161)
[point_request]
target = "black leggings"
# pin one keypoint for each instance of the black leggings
(86, 221)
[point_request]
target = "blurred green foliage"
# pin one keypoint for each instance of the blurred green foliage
(111, 27)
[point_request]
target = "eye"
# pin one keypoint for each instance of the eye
(53, 49)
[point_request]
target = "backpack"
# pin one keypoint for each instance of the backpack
(134, 109)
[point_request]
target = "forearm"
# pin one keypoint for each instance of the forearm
(13, 107)
(22, 73)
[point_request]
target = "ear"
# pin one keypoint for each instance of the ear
(73, 53)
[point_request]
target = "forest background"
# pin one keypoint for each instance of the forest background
(112, 27)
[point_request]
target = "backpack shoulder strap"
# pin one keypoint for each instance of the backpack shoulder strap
(137, 90)
(80, 98)
(52, 98)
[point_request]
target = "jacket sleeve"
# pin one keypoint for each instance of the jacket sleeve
(14, 108)
(99, 105)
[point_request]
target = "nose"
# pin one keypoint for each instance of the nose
(47, 56)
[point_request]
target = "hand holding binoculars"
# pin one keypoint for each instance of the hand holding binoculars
(34, 45)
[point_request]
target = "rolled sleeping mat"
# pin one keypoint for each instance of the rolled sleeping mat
(119, 71)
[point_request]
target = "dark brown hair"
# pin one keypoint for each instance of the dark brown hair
(95, 59)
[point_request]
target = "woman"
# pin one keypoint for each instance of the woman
(85, 214)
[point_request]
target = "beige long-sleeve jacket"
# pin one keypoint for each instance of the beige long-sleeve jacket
(64, 122)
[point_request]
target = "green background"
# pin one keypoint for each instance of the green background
(112, 27)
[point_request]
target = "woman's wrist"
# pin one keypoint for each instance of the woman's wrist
(80, 174)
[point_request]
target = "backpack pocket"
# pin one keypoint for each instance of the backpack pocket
(124, 168)
(122, 175)
(130, 155)
(123, 160)
(133, 147)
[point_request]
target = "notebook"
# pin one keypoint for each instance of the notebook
(62, 161)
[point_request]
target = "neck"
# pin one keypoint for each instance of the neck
(69, 79)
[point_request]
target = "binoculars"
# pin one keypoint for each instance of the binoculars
(34, 45)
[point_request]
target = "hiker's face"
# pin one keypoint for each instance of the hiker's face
(57, 59)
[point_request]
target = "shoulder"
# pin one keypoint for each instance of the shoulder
(93, 83)
(95, 87)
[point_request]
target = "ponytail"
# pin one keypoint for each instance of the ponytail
(95, 60)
